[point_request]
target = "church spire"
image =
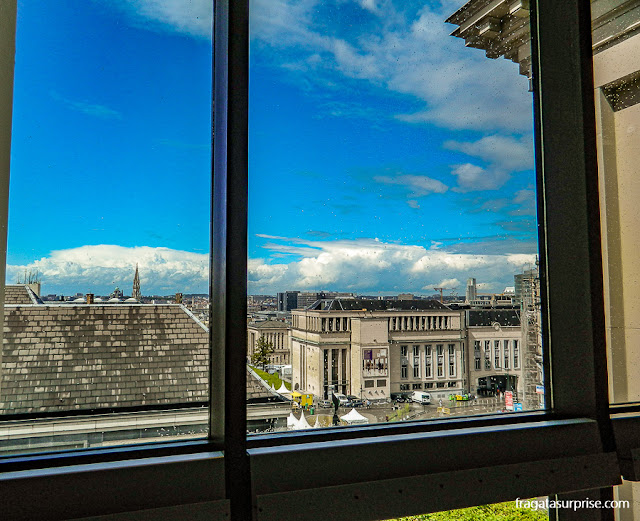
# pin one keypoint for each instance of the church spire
(136, 286)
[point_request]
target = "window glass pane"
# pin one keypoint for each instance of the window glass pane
(391, 184)
(616, 47)
(106, 304)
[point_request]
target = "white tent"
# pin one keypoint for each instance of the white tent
(292, 422)
(317, 423)
(303, 423)
(354, 418)
(283, 390)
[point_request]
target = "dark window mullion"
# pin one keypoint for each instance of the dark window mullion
(569, 217)
(229, 247)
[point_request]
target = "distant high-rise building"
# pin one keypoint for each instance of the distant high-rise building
(527, 294)
(136, 286)
(288, 300)
(472, 290)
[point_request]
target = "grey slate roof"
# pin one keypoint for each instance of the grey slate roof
(19, 294)
(378, 305)
(269, 324)
(256, 391)
(487, 317)
(69, 357)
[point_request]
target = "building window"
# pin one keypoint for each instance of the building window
(516, 355)
(452, 384)
(428, 369)
(404, 372)
(478, 364)
(428, 385)
(506, 354)
(452, 359)
(368, 384)
(404, 387)
(440, 385)
(487, 355)
(381, 383)
(403, 350)
(496, 353)
(440, 359)
(416, 386)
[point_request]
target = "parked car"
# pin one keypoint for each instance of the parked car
(324, 404)
(356, 402)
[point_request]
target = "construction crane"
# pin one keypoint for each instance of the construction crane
(453, 293)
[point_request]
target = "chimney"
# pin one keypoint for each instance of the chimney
(35, 287)
(89, 298)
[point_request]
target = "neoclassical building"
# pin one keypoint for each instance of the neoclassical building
(496, 355)
(277, 333)
(376, 348)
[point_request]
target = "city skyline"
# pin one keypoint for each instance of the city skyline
(421, 148)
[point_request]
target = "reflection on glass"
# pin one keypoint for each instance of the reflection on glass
(616, 46)
(105, 308)
(392, 217)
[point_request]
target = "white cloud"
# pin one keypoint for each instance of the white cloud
(418, 185)
(412, 55)
(526, 202)
(86, 107)
(473, 178)
(504, 155)
(503, 152)
(192, 17)
(361, 265)
(99, 268)
(372, 266)
(444, 284)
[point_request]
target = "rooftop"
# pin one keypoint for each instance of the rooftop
(489, 317)
(377, 305)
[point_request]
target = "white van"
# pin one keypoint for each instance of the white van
(343, 399)
(421, 397)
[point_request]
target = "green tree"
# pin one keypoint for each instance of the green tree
(262, 351)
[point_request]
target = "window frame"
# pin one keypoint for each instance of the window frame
(545, 452)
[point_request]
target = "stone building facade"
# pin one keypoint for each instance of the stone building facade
(277, 333)
(376, 348)
(496, 351)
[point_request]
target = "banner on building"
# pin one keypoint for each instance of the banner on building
(374, 361)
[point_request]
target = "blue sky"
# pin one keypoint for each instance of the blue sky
(384, 155)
